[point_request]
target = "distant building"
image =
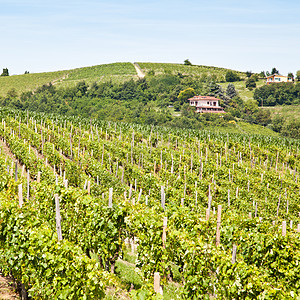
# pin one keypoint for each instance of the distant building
(206, 104)
(276, 78)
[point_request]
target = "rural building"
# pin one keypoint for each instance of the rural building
(206, 104)
(276, 78)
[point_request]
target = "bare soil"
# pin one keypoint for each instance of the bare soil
(7, 289)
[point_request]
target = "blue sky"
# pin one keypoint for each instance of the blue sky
(55, 35)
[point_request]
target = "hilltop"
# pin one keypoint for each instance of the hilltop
(115, 72)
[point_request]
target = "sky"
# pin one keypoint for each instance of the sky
(252, 35)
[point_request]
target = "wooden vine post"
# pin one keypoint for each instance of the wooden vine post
(28, 184)
(233, 259)
(283, 228)
(163, 197)
(164, 235)
(58, 218)
(16, 172)
(218, 225)
(38, 177)
(157, 287)
(20, 189)
(110, 197)
(89, 187)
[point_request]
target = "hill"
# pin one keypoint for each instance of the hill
(116, 72)
(204, 72)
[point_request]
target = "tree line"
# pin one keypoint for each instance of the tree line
(157, 100)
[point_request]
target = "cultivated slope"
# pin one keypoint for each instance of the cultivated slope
(116, 72)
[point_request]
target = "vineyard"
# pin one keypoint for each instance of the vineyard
(115, 72)
(212, 215)
(193, 70)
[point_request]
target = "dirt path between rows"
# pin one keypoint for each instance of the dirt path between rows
(7, 289)
(6, 151)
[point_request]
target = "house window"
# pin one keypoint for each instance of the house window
(215, 103)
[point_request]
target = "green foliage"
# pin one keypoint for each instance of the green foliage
(230, 91)
(249, 74)
(186, 94)
(281, 93)
(5, 72)
(274, 71)
(187, 63)
(231, 76)
(49, 270)
(298, 75)
(250, 83)
(256, 170)
(291, 75)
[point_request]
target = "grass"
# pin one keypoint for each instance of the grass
(116, 72)
(28, 82)
(168, 68)
(243, 127)
(130, 279)
(287, 111)
(243, 92)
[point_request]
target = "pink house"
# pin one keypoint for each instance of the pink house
(206, 104)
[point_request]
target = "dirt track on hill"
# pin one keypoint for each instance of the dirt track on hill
(139, 70)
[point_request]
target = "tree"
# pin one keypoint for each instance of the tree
(81, 88)
(249, 73)
(187, 62)
(5, 72)
(277, 123)
(26, 72)
(263, 117)
(298, 75)
(186, 94)
(230, 91)
(231, 76)
(250, 83)
(291, 75)
(274, 71)
(216, 90)
(262, 74)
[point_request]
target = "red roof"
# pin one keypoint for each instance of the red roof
(208, 98)
(213, 107)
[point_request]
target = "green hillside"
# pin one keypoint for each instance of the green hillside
(288, 112)
(28, 82)
(193, 70)
(117, 72)
(240, 87)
